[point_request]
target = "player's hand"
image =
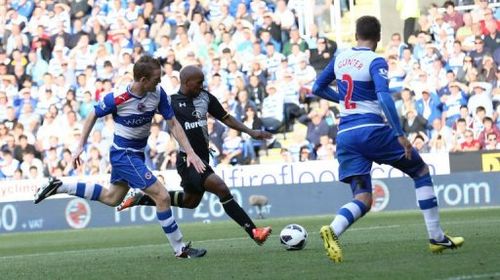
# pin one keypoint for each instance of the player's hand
(260, 134)
(196, 161)
(406, 145)
(76, 157)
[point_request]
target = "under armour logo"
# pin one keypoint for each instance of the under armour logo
(183, 104)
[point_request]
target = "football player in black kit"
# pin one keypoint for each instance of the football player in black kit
(191, 105)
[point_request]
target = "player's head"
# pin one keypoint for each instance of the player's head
(147, 72)
(368, 29)
(191, 80)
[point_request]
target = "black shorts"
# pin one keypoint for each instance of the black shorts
(192, 181)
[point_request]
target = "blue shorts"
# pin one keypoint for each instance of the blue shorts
(357, 149)
(129, 167)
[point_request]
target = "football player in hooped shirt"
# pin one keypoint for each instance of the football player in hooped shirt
(191, 106)
(364, 138)
(132, 112)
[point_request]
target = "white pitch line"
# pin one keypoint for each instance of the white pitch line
(475, 276)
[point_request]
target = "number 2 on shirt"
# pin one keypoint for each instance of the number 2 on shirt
(348, 96)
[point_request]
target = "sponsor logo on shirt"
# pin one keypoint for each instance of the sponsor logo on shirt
(137, 121)
(191, 125)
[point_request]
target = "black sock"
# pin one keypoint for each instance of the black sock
(234, 210)
(176, 198)
(146, 200)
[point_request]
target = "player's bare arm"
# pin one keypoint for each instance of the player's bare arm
(87, 128)
(235, 124)
(180, 136)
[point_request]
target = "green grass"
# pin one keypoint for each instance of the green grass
(380, 246)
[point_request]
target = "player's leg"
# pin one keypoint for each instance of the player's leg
(214, 184)
(354, 169)
(418, 170)
(111, 196)
(349, 213)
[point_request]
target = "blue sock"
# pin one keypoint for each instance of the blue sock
(347, 215)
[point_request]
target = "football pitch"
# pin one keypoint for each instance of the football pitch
(391, 245)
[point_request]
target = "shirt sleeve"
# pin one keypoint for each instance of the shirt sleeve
(378, 71)
(215, 108)
(105, 106)
(321, 87)
(164, 106)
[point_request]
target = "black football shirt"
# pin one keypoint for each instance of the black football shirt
(192, 115)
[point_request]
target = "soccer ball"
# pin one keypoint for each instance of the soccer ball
(293, 237)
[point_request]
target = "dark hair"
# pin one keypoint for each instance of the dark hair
(487, 119)
(448, 3)
(368, 28)
(145, 66)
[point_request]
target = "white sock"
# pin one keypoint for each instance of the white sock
(171, 230)
(347, 215)
(427, 202)
(84, 190)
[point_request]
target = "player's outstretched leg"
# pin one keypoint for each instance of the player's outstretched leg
(84, 190)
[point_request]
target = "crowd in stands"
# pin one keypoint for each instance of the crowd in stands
(59, 58)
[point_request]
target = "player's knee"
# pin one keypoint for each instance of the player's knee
(419, 171)
(361, 184)
(424, 170)
(162, 199)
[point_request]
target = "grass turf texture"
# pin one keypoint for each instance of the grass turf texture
(380, 246)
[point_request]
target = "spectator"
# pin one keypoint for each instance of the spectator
(481, 98)
(305, 154)
(8, 164)
(232, 148)
(30, 160)
(470, 143)
(23, 147)
(413, 123)
(488, 128)
(429, 106)
(256, 91)
(492, 142)
(440, 136)
(316, 126)
(320, 56)
(420, 143)
(326, 149)
(478, 53)
(452, 105)
(272, 109)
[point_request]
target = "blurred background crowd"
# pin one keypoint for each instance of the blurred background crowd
(59, 58)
